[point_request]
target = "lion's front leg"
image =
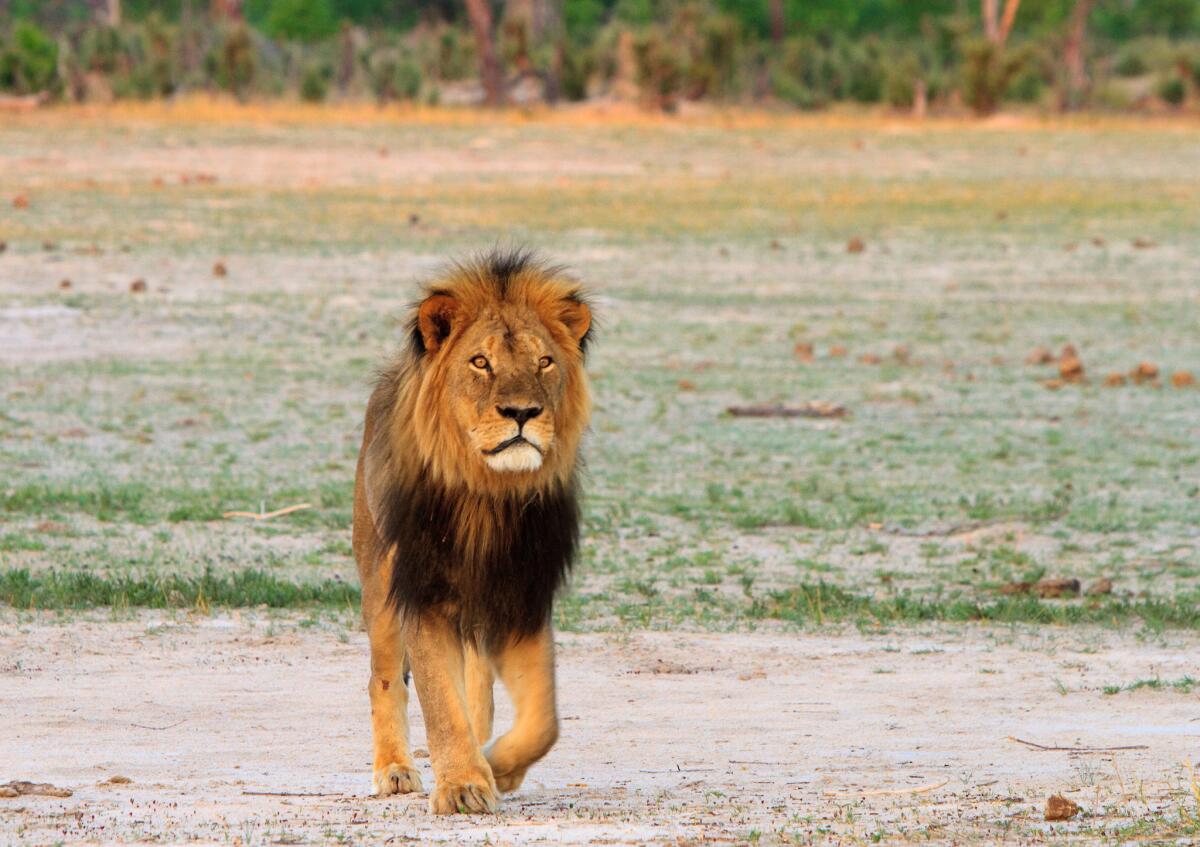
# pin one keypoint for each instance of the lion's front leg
(463, 776)
(527, 669)
(393, 771)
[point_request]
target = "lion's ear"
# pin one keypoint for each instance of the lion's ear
(435, 320)
(577, 318)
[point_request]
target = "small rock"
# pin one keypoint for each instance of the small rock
(1053, 384)
(1059, 808)
(838, 350)
(902, 354)
(64, 284)
(219, 269)
(1143, 243)
(1114, 379)
(1144, 372)
(869, 359)
(1001, 215)
(21, 201)
(1098, 241)
(1068, 351)
(420, 753)
(775, 245)
(686, 385)
(855, 245)
(1101, 586)
(1070, 368)
(1183, 379)
(1039, 356)
(803, 351)
(1016, 588)
(723, 252)
(138, 286)
(414, 219)
(3, 246)
(1057, 587)
(117, 779)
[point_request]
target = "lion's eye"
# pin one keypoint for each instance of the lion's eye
(480, 362)
(545, 362)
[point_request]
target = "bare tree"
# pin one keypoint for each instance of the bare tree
(1073, 54)
(489, 66)
(226, 10)
(778, 21)
(997, 31)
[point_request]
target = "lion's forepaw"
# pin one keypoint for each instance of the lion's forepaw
(511, 781)
(450, 796)
(396, 779)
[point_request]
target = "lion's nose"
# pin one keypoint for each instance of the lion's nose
(520, 414)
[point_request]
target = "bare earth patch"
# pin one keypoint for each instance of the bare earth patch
(667, 738)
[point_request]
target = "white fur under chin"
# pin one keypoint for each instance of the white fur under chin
(519, 457)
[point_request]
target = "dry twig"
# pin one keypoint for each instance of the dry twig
(1037, 746)
(263, 516)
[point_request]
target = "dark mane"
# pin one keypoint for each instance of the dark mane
(506, 589)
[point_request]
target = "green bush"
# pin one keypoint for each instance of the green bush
(1172, 90)
(301, 20)
(234, 65)
(987, 73)
(29, 62)
(660, 71)
(394, 75)
(900, 81)
(314, 84)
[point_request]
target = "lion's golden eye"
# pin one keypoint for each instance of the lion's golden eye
(480, 362)
(545, 362)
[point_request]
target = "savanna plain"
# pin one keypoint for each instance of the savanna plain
(841, 629)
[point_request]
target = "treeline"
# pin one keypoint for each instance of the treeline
(906, 54)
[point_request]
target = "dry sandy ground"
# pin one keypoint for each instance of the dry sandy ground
(668, 738)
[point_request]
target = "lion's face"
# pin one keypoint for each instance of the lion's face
(504, 389)
(504, 400)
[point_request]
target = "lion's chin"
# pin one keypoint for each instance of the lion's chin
(519, 457)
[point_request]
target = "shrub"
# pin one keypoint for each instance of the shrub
(578, 65)
(301, 20)
(1172, 90)
(314, 84)
(394, 75)
(660, 68)
(29, 63)
(900, 80)
(987, 73)
(235, 63)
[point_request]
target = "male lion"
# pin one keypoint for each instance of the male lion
(465, 522)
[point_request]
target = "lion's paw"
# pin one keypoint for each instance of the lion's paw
(511, 781)
(450, 796)
(396, 779)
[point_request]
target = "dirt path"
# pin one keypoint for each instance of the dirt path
(667, 738)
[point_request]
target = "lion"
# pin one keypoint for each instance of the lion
(466, 522)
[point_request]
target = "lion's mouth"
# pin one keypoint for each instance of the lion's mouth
(512, 442)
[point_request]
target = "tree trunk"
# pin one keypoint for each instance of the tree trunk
(114, 12)
(990, 28)
(1073, 55)
(1006, 25)
(489, 67)
(226, 10)
(778, 22)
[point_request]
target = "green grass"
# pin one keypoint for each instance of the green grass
(57, 590)
(137, 421)
(1184, 685)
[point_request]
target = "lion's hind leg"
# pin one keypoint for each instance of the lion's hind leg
(393, 771)
(527, 669)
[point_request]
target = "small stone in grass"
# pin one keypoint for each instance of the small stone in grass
(219, 269)
(21, 201)
(1143, 243)
(1039, 356)
(1114, 379)
(1101, 586)
(138, 286)
(64, 284)
(803, 351)
(1053, 384)
(1059, 808)
(1183, 379)
(855, 245)
(1070, 368)
(1057, 587)
(117, 779)
(1144, 372)
(838, 350)
(686, 385)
